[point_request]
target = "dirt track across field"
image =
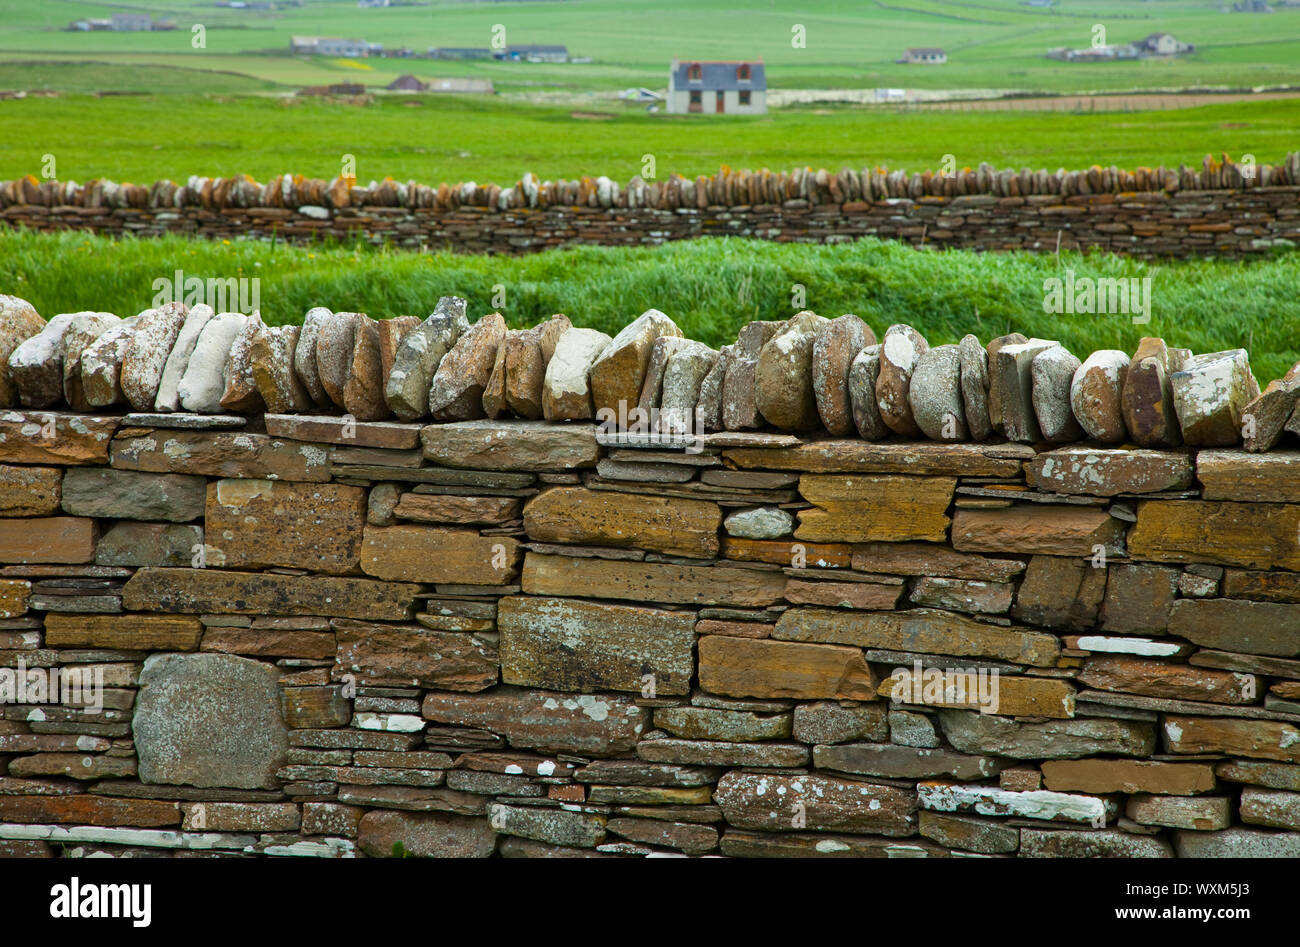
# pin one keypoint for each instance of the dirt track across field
(1143, 102)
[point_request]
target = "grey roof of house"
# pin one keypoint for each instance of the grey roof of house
(718, 75)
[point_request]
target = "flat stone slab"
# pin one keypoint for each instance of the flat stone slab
(55, 437)
(185, 422)
(902, 457)
(1107, 472)
(511, 445)
(335, 429)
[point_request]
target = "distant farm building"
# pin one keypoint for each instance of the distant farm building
(333, 46)
(132, 22)
(718, 88)
(925, 55)
(480, 86)
(409, 83)
(406, 83)
(338, 88)
(1157, 44)
(121, 23)
(1164, 44)
(535, 53)
(459, 52)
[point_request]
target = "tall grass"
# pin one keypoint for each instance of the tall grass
(710, 287)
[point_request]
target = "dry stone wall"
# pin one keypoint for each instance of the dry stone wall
(1220, 209)
(403, 594)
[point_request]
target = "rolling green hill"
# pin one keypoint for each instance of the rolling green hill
(849, 43)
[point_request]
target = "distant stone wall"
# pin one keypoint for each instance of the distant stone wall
(1221, 210)
(800, 629)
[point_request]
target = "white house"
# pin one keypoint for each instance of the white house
(1164, 44)
(925, 55)
(717, 88)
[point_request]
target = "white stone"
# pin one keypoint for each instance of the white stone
(764, 522)
(182, 349)
(1106, 644)
(204, 381)
(1037, 804)
(566, 388)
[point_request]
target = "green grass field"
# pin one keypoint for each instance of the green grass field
(992, 44)
(711, 287)
(433, 139)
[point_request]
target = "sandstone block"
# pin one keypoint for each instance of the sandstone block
(835, 346)
(29, 491)
(867, 509)
(256, 524)
(1148, 399)
(417, 358)
(618, 369)
(1210, 396)
(783, 803)
(1096, 393)
(650, 582)
(783, 388)
(411, 656)
(1038, 528)
(432, 554)
(745, 667)
(567, 644)
(209, 591)
(510, 445)
(132, 495)
(664, 524)
(547, 721)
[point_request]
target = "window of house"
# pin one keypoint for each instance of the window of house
(742, 72)
(697, 100)
(695, 72)
(744, 96)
